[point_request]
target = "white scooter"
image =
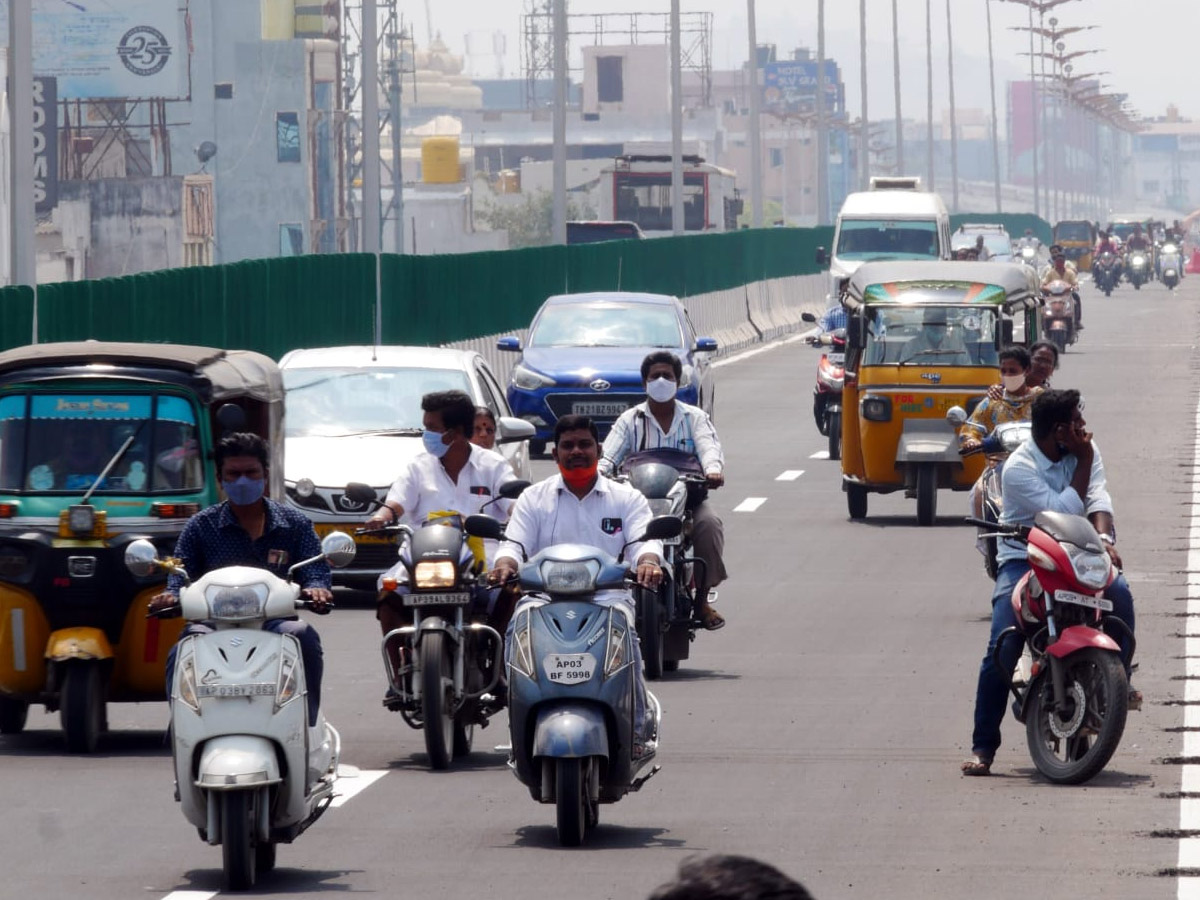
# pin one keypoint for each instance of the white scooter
(251, 772)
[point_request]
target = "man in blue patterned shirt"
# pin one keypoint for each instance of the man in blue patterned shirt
(250, 530)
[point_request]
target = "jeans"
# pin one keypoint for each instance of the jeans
(310, 651)
(991, 694)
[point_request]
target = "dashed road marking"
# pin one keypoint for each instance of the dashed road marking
(820, 454)
(353, 781)
(789, 475)
(190, 895)
(750, 504)
(1189, 807)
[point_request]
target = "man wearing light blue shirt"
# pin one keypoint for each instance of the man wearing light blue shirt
(1058, 469)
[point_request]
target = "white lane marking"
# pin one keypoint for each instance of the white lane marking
(353, 781)
(789, 475)
(820, 454)
(190, 895)
(746, 354)
(750, 504)
(1189, 807)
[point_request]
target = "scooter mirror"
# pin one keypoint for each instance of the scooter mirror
(141, 558)
(807, 317)
(511, 490)
(338, 549)
(663, 527)
(956, 415)
(484, 527)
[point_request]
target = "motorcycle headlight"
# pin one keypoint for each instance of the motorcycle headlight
(529, 380)
(435, 574)
(521, 649)
(576, 577)
(1138, 261)
(285, 684)
(236, 604)
(1090, 568)
(187, 684)
(660, 506)
(1170, 248)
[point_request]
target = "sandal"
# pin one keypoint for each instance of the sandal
(977, 765)
(1135, 700)
(711, 620)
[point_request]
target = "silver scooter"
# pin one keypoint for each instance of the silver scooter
(250, 770)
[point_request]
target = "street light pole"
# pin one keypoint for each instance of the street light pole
(992, 83)
(677, 223)
(953, 117)
(559, 201)
(864, 151)
(929, 86)
(822, 123)
(896, 75)
(756, 188)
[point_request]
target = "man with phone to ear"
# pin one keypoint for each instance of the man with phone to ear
(1058, 469)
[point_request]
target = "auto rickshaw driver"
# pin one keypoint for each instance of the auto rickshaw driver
(936, 340)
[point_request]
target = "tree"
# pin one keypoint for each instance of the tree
(529, 223)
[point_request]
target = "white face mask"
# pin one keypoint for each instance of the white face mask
(1013, 383)
(660, 390)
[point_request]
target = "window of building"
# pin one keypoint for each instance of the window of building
(610, 79)
(1150, 187)
(291, 240)
(776, 157)
(223, 90)
(287, 137)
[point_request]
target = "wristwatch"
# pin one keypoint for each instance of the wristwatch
(1109, 539)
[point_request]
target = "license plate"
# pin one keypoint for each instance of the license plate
(458, 598)
(836, 358)
(235, 690)
(323, 530)
(598, 409)
(569, 668)
(1083, 600)
(671, 542)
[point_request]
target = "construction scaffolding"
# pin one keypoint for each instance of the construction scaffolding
(394, 54)
(607, 29)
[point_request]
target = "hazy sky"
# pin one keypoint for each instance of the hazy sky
(1147, 46)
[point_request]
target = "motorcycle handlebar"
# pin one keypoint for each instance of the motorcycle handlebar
(1016, 532)
(322, 610)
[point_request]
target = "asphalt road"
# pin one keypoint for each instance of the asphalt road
(821, 730)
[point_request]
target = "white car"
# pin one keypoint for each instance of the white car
(353, 414)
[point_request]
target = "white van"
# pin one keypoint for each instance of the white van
(895, 219)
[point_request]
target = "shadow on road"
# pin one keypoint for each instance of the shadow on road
(282, 882)
(113, 744)
(1106, 779)
(479, 760)
(683, 674)
(605, 837)
(953, 521)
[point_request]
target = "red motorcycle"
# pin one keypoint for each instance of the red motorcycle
(827, 395)
(1075, 702)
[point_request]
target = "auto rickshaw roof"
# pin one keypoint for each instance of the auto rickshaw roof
(227, 373)
(1018, 282)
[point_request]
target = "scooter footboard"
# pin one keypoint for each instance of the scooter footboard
(235, 761)
(564, 732)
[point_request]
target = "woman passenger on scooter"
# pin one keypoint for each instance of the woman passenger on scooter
(1043, 362)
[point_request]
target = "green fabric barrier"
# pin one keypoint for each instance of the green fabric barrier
(275, 305)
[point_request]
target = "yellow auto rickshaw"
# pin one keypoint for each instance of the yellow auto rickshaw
(923, 337)
(1077, 237)
(100, 444)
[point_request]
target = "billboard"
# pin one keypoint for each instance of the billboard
(790, 88)
(110, 48)
(45, 144)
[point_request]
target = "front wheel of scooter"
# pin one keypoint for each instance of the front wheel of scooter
(650, 633)
(238, 850)
(835, 435)
(573, 805)
(437, 688)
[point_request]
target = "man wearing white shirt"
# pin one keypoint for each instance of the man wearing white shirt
(577, 506)
(450, 475)
(664, 422)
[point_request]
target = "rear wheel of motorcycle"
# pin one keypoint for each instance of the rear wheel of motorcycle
(1099, 678)
(437, 687)
(571, 801)
(13, 714)
(927, 479)
(856, 501)
(82, 709)
(238, 851)
(650, 633)
(835, 435)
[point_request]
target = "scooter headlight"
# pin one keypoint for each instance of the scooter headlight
(660, 506)
(187, 684)
(286, 684)
(521, 651)
(576, 577)
(435, 574)
(242, 603)
(1138, 261)
(1091, 568)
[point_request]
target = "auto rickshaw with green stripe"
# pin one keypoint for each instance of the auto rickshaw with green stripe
(923, 337)
(101, 444)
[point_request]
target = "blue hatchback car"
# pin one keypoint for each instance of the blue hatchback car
(584, 357)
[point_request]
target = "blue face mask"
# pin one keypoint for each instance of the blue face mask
(433, 443)
(244, 491)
